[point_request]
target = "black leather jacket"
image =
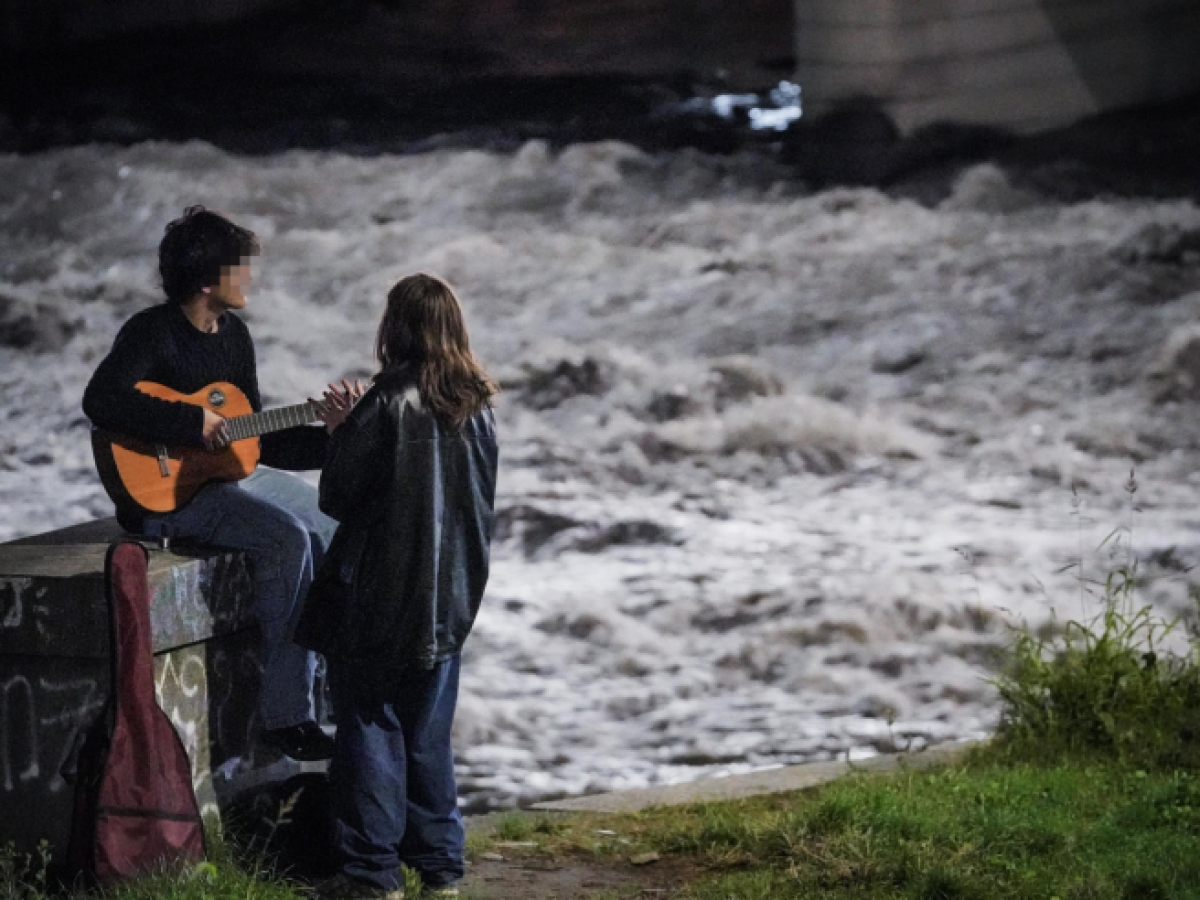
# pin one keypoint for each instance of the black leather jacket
(404, 576)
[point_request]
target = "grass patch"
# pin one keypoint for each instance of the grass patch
(982, 829)
(23, 876)
(524, 827)
(222, 877)
(970, 831)
(228, 874)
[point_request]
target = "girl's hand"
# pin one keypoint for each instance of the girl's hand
(338, 402)
(334, 409)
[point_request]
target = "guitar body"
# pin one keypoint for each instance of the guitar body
(144, 477)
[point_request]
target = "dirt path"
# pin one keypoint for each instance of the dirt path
(534, 876)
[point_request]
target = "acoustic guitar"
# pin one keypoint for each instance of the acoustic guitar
(144, 477)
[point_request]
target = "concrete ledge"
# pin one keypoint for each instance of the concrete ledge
(55, 670)
(52, 593)
(770, 781)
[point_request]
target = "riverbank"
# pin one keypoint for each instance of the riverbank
(978, 827)
(973, 829)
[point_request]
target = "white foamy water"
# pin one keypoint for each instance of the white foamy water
(777, 468)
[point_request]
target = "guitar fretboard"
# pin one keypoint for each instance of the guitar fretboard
(269, 420)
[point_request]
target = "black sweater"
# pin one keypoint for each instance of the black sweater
(160, 344)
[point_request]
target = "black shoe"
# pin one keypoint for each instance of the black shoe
(305, 742)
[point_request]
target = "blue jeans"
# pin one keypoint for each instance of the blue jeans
(395, 799)
(273, 516)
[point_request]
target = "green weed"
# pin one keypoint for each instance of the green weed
(1103, 688)
(23, 876)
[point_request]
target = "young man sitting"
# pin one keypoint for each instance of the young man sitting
(187, 343)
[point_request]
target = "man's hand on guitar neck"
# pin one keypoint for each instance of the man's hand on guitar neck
(216, 431)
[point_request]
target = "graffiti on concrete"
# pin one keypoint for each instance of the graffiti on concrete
(39, 720)
(73, 704)
(18, 726)
(233, 714)
(203, 689)
(12, 601)
(181, 682)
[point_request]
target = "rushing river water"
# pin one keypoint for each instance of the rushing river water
(778, 467)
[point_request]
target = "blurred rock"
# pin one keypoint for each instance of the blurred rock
(532, 526)
(827, 633)
(675, 403)
(549, 385)
(632, 465)
(750, 609)
(34, 327)
(931, 157)
(1175, 375)
(986, 188)
(882, 704)
(582, 626)
(851, 145)
(657, 448)
(1161, 242)
(738, 378)
(894, 358)
(633, 531)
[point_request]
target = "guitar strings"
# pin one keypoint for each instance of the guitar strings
(267, 421)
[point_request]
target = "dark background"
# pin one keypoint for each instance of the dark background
(400, 76)
(378, 75)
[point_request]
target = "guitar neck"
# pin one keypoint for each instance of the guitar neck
(269, 420)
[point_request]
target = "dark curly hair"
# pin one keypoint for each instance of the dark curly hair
(196, 247)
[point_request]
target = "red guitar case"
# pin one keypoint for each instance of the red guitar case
(135, 807)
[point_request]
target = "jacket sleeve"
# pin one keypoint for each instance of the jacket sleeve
(111, 401)
(296, 449)
(355, 463)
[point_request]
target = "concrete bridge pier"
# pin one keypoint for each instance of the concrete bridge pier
(1022, 64)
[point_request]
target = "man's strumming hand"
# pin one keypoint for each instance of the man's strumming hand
(215, 431)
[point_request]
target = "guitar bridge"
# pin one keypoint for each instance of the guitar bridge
(163, 469)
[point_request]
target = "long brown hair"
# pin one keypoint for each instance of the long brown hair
(423, 325)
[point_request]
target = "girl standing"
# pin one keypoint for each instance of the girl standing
(411, 477)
